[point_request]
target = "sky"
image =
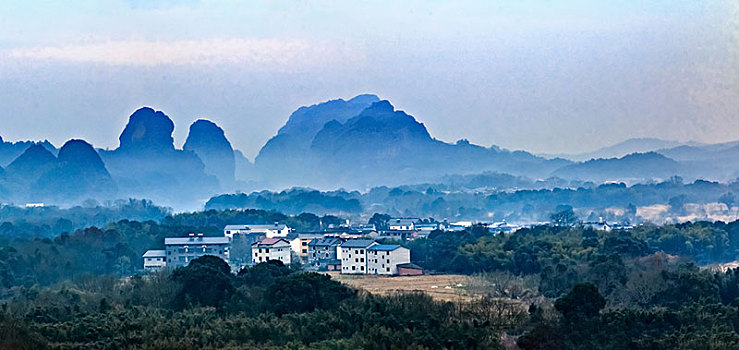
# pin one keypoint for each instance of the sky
(543, 76)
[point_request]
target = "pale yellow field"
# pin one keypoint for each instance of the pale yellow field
(440, 287)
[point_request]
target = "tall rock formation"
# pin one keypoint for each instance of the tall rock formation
(147, 131)
(147, 165)
(286, 158)
(364, 142)
(209, 142)
(79, 174)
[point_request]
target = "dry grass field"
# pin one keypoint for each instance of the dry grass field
(440, 287)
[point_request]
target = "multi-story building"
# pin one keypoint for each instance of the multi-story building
(182, 250)
(323, 252)
(269, 231)
(154, 259)
(271, 249)
(354, 255)
(299, 243)
(383, 259)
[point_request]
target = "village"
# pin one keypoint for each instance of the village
(346, 249)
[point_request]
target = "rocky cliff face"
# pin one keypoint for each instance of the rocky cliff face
(209, 142)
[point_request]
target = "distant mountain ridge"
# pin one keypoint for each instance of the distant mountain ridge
(378, 145)
(618, 150)
(358, 143)
(634, 167)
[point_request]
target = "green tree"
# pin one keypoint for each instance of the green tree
(206, 281)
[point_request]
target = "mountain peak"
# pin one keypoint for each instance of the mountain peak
(364, 99)
(80, 153)
(383, 106)
(147, 129)
(209, 142)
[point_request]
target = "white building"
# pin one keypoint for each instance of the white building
(383, 259)
(354, 255)
(271, 249)
(402, 224)
(270, 231)
(155, 259)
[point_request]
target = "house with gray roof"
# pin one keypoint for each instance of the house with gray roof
(323, 251)
(154, 259)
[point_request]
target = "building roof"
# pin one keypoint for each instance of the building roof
(269, 242)
(402, 221)
(309, 235)
(325, 242)
(195, 240)
(357, 243)
(384, 247)
(255, 227)
(155, 254)
(410, 266)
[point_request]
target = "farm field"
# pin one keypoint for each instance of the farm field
(440, 287)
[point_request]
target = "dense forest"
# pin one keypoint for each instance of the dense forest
(542, 287)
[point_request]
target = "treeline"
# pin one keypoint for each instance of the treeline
(562, 257)
(268, 306)
(292, 201)
(527, 204)
(271, 306)
(51, 221)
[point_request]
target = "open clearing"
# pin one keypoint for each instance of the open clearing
(440, 287)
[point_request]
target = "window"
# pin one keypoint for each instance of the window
(388, 269)
(361, 260)
(353, 268)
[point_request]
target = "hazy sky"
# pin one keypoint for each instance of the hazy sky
(545, 76)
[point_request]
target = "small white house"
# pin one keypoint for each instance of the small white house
(155, 259)
(269, 231)
(354, 255)
(402, 224)
(271, 249)
(383, 259)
